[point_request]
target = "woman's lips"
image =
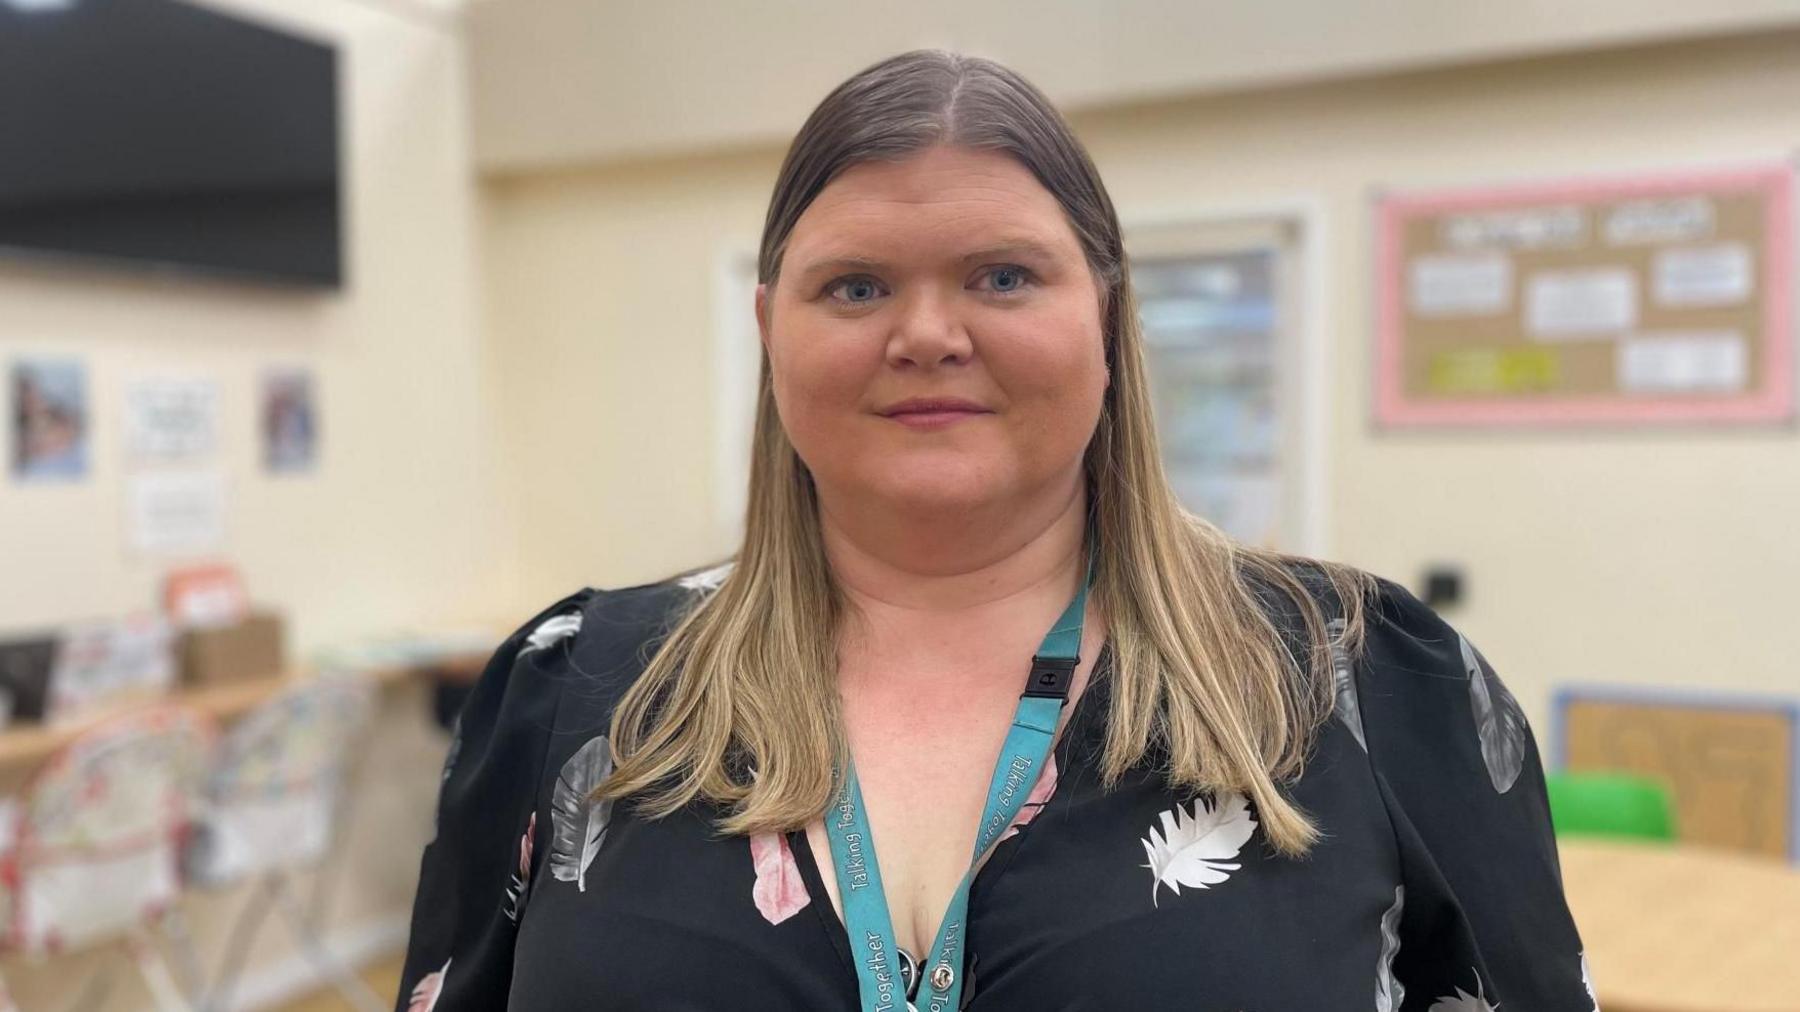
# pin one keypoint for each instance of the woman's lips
(934, 419)
(933, 414)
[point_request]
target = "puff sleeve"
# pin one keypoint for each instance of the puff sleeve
(1480, 922)
(476, 872)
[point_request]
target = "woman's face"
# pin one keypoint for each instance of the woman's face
(934, 334)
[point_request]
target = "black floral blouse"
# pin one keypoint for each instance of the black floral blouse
(1435, 885)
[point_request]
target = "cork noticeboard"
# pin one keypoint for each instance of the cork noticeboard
(1732, 766)
(1639, 299)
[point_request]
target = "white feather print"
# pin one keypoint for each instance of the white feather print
(1195, 845)
(578, 824)
(552, 630)
(1587, 981)
(1462, 1001)
(1498, 720)
(707, 579)
(1389, 993)
(1343, 678)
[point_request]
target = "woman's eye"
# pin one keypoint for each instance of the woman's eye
(856, 290)
(1006, 280)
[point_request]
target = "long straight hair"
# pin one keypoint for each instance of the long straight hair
(739, 705)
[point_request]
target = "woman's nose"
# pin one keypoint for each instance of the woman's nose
(927, 332)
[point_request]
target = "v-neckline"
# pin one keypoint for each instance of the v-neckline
(1076, 728)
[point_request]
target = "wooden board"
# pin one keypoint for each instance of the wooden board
(1730, 764)
(23, 746)
(1627, 300)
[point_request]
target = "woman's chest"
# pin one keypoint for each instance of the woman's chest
(1180, 903)
(925, 764)
(1106, 899)
(919, 809)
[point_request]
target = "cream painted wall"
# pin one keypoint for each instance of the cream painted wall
(600, 308)
(570, 82)
(1632, 556)
(404, 523)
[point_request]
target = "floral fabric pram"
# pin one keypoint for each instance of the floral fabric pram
(92, 846)
(96, 836)
(271, 798)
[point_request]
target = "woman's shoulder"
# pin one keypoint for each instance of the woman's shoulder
(596, 632)
(1394, 622)
(1406, 638)
(591, 645)
(1425, 703)
(1406, 667)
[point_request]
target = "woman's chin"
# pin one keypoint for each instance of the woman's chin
(947, 487)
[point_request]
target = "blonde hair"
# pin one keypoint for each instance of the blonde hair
(1202, 676)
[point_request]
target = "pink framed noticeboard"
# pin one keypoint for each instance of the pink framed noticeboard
(1657, 298)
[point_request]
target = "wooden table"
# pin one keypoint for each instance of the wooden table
(1685, 929)
(24, 745)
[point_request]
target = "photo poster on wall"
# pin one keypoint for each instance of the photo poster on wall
(1641, 299)
(289, 421)
(47, 419)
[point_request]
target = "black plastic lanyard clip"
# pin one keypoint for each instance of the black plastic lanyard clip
(1051, 677)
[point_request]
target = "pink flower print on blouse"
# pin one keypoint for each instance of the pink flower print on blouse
(425, 993)
(779, 891)
(1036, 800)
(515, 890)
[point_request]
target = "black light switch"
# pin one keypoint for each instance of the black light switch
(1443, 587)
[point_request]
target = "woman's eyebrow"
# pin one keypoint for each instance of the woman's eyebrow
(830, 266)
(1022, 248)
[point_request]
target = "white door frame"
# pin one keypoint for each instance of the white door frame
(1311, 361)
(736, 366)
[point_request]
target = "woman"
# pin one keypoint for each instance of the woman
(1227, 783)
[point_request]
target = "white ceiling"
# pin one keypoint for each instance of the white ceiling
(566, 82)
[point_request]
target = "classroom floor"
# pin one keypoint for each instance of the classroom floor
(383, 976)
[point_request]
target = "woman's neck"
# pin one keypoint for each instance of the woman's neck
(890, 564)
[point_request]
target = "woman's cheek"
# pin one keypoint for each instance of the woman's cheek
(1051, 362)
(816, 392)
(830, 381)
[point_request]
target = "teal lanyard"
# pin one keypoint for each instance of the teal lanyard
(866, 917)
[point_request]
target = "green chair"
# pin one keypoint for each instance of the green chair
(1610, 804)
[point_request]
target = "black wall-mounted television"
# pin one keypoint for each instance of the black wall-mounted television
(160, 133)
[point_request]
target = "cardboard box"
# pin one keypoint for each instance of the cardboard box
(244, 651)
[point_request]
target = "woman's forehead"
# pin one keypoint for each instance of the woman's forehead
(945, 202)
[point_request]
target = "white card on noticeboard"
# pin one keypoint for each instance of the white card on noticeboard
(1682, 362)
(1716, 275)
(1583, 303)
(1474, 284)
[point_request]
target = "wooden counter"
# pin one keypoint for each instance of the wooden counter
(1685, 929)
(24, 745)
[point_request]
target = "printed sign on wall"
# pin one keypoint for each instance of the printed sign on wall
(171, 419)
